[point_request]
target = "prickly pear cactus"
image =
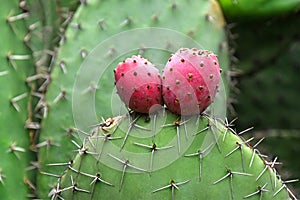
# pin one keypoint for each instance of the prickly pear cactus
(15, 66)
(94, 25)
(177, 155)
(188, 158)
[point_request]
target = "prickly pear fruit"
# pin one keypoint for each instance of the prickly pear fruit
(190, 81)
(138, 84)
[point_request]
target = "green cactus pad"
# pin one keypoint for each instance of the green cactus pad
(97, 39)
(173, 169)
(15, 65)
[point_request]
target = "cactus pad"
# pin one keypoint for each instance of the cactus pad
(15, 65)
(192, 158)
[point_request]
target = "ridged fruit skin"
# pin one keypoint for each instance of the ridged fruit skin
(190, 81)
(138, 84)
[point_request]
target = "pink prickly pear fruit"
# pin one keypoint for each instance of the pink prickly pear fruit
(138, 84)
(190, 81)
